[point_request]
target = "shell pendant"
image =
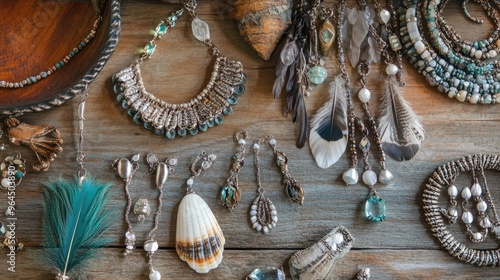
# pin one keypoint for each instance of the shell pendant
(263, 215)
(199, 240)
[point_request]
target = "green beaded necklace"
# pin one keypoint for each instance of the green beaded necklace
(431, 48)
(58, 65)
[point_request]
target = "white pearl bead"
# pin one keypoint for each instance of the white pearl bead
(130, 236)
(477, 236)
(154, 275)
(350, 176)
(130, 247)
(485, 222)
(452, 191)
(265, 229)
(385, 177)
(467, 217)
(364, 95)
(189, 182)
(151, 246)
(5, 182)
(476, 190)
(256, 146)
(242, 142)
(492, 53)
(391, 69)
(369, 177)
(474, 98)
(481, 206)
(478, 54)
(385, 15)
(272, 142)
(466, 193)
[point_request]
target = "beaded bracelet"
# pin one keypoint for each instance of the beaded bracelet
(435, 215)
(58, 65)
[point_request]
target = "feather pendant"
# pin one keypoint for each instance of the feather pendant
(74, 222)
(401, 130)
(328, 135)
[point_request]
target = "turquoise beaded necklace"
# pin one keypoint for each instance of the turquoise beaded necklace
(198, 114)
(58, 65)
(460, 76)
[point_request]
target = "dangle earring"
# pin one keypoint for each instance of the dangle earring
(163, 169)
(126, 170)
(198, 239)
(263, 215)
(292, 188)
(230, 194)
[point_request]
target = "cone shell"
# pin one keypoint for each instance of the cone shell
(262, 22)
(317, 261)
(199, 240)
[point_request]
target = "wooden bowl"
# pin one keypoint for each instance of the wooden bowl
(38, 34)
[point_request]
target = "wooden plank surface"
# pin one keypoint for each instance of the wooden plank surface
(401, 247)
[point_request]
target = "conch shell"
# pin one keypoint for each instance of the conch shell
(261, 22)
(199, 240)
(316, 262)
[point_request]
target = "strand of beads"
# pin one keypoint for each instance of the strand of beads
(452, 73)
(58, 65)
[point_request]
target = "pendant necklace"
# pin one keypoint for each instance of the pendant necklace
(198, 114)
(300, 64)
(198, 239)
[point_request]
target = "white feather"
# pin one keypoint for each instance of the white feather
(401, 130)
(328, 135)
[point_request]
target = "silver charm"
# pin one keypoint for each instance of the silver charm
(142, 209)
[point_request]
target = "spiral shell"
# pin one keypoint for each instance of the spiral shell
(199, 240)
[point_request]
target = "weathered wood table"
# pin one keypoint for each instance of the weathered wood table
(402, 247)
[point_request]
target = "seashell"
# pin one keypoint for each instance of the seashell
(316, 262)
(199, 240)
(270, 273)
(262, 23)
(294, 191)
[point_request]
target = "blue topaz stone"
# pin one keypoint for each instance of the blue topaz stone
(193, 131)
(182, 132)
(375, 209)
(238, 90)
(317, 75)
(148, 125)
(228, 111)
(137, 118)
(203, 127)
(219, 119)
(159, 131)
(125, 105)
(233, 100)
(210, 123)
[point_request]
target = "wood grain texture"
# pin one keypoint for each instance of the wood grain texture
(401, 247)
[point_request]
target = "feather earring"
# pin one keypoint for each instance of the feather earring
(328, 135)
(74, 222)
(401, 130)
(74, 218)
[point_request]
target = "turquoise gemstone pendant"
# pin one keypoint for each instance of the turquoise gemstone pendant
(317, 75)
(375, 209)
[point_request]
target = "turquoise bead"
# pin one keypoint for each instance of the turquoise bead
(43, 74)
(182, 132)
(238, 90)
(210, 123)
(19, 174)
(375, 209)
(317, 75)
(203, 127)
(193, 131)
(149, 49)
(137, 118)
(219, 119)
(159, 131)
(233, 100)
(227, 111)
(170, 134)
(161, 29)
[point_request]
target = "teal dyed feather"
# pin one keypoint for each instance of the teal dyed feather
(74, 221)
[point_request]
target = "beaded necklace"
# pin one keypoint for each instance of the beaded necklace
(33, 79)
(431, 46)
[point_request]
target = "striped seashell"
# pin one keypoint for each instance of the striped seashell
(199, 240)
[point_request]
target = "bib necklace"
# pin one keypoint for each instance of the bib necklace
(198, 114)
